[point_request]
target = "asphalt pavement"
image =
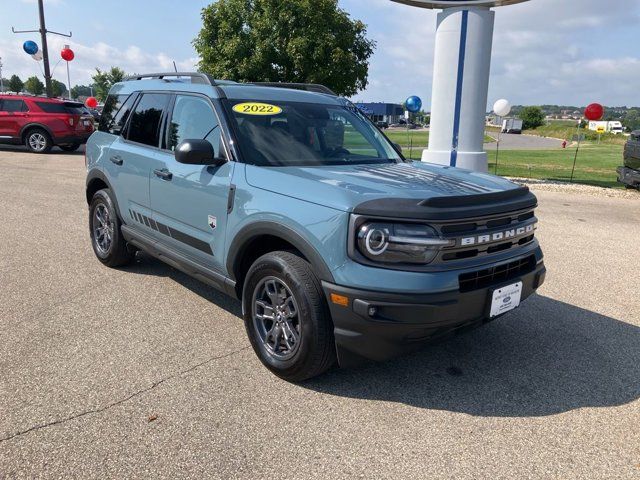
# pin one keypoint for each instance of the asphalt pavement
(510, 141)
(143, 372)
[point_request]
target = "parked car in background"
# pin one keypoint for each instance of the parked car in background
(629, 173)
(94, 113)
(512, 125)
(382, 125)
(614, 127)
(41, 123)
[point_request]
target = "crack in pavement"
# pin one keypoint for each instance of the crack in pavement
(123, 400)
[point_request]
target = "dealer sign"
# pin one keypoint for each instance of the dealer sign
(458, 3)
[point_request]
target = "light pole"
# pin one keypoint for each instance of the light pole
(1, 80)
(45, 50)
(462, 61)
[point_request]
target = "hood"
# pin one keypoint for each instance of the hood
(345, 187)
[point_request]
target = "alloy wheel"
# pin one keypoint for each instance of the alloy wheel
(276, 318)
(102, 229)
(37, 142)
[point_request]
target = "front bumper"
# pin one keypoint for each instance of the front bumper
(378, 326)
(629, 176)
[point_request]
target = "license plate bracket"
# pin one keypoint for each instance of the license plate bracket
(505, 299)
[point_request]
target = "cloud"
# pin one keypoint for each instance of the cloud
(544, 51)
(132, 59)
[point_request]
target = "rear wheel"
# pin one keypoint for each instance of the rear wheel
(38, 141)
(70, 147)
(104, 228)
(286, 317)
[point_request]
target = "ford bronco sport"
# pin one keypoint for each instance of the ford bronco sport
(285, 196)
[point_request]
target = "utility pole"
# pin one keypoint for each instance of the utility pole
(45, 50)
(1, 80)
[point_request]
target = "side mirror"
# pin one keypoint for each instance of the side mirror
(197, 152)
(398, 147)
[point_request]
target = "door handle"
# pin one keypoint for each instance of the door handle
(117, 159)
(163, 174)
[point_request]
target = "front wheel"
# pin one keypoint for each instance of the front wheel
(286, 317)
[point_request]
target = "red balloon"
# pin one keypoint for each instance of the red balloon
(67, 54)
(594, 112)
(91, 102)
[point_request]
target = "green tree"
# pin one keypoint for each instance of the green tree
(532, 117)
(34, 85)
(631, 120)
(15, 84)
(103, 81)
(294, 41)
(58, 89)
(80, 91)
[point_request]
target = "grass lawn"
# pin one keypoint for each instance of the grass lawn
(418, 138)
(596, 164)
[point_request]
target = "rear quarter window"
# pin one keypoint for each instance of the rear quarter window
(66, 108)
(115, 113)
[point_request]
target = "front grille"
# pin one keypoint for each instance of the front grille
(496, 275)
(483, 229)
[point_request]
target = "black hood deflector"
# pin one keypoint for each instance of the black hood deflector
(450, 207)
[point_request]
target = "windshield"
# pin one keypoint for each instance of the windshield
(305, 134)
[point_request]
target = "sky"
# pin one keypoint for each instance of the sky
(567, 52)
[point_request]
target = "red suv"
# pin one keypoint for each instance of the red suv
(40, 123)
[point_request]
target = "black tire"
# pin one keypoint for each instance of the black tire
(116, 253)
(315, 351)
(70, 148)
(37, 140)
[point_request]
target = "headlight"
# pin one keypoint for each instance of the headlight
(399, 243)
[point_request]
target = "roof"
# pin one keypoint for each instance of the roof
(39, 98)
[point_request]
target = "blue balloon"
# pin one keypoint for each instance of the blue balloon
(414, 104)
(30, 47)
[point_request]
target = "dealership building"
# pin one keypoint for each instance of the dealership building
(382, 112)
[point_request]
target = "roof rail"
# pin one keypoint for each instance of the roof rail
(309, 87)
(196, 77)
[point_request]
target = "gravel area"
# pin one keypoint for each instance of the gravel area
(564, 187)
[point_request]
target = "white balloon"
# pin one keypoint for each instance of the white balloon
(502, 108)
(37, 56)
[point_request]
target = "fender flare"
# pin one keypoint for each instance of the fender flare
(96, 174)
(248, 233)
(36, 125)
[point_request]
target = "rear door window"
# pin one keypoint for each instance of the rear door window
(144, 126)
(13, 105)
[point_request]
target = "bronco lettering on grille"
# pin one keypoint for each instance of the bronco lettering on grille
(497, 236)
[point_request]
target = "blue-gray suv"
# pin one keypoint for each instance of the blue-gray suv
(287, 197)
